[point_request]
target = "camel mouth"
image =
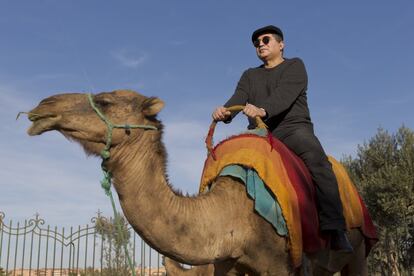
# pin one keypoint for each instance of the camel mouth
(35, 117)
(42, 123)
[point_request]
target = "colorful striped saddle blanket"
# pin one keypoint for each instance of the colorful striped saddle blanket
(290, 184)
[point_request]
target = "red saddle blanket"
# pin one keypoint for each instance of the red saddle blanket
(289, 180)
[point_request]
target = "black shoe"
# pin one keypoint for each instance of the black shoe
(339, 242)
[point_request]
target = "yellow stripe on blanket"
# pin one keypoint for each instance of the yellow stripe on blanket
(349, 196)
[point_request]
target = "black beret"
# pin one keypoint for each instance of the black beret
(267, 30)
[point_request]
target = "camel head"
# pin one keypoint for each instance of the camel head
(72, 115)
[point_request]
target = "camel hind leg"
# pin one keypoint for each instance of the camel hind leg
(328, 262)
(357, 266)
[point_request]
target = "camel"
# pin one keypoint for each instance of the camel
(219, 227)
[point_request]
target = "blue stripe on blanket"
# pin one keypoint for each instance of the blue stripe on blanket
(264, 203)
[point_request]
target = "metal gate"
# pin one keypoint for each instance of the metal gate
(31, 248)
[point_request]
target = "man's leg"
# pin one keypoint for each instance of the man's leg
(307, 146)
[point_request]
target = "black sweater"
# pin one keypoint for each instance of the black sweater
(280, 90)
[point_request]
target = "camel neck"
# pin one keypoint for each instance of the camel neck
(136, 165)
(162, 218)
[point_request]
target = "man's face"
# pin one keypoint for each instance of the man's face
(267, 47)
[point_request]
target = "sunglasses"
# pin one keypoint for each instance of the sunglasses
(265, 40)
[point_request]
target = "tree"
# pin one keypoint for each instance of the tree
(383, 171)
(114, 256)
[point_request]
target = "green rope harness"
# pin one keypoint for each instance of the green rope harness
(106, 182)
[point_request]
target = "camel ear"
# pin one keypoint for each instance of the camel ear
(151, 106)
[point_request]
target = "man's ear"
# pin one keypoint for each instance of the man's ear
(151, 106)
(282, 45)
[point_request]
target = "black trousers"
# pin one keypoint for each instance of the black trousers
(306, 145)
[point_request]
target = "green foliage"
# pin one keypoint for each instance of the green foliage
(87, 272)
(115, 234)
(3, 273)
(383, 171)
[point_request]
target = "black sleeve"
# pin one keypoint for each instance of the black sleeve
(240, 96)
(293, 82)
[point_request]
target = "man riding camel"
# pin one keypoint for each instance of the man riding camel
(276, 92)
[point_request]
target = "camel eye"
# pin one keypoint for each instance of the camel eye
(103, 102)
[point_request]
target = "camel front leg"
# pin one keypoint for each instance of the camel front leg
(227, 268)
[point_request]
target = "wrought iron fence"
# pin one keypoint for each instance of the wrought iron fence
(31, 248)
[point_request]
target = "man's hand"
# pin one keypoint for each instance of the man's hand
(253, 111)
(221, 114)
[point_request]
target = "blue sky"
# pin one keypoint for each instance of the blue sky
(191, 54)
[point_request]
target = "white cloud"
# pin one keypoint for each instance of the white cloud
(131, 60)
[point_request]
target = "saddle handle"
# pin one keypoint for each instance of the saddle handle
(234, 108)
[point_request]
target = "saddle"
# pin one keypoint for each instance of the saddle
(289, 183)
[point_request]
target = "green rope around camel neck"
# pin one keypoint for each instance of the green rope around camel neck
(106, 182)
(110, 126)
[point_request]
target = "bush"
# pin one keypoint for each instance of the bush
(114, 255)
(383, 171)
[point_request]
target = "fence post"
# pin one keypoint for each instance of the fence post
(16, 247)
(24, 243)
(8, 248)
